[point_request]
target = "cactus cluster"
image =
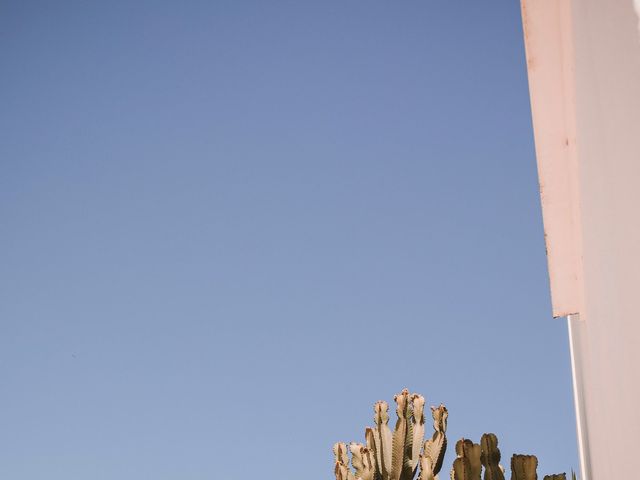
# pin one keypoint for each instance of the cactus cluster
(403, 453)
(396, 455)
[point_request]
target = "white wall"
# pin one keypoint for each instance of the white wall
(584, 73)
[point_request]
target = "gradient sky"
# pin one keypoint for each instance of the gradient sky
(229, 227)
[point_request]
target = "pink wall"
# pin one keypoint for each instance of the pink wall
(584, 75)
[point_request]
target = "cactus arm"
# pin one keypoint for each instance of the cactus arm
(490, 457)
(461, 469)
(341, 469)
(362, 461)
(370, 442)
(426, 468)
(342, 472)
(523, 467)
(382, 439)
(357, 458)
(408, 467)
(436, 446)
(401, 436)
(340, 453)
(471, 451)
(370, 465)
(418, 429)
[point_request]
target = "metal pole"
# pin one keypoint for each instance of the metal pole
(576, 328)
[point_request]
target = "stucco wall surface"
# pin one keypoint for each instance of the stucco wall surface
(584, 74)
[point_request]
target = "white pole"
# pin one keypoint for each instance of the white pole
(576, 328)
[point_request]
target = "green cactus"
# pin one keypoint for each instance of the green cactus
(340, 453)
(382, 440)
(402, 439)
(417, 402)
(461, 469)
(363, 461)
(490, 457)
(523, 467)
(401, 454)
(471, 452)
(369, 437)
(426, 469)
(435, 448)
(341, 469)
(397, 455)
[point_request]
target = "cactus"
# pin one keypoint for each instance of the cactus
(470, 452)
(402, 450)
(363, 461)
(401, 454)
(417, 402)
(461, 469)
(490, 457)
(341, 469)
(340, 453)
(523, 467)
(402, 438)
(397, 455)
(382, 439)
(435, 448)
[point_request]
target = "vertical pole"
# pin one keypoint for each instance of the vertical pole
(576, 330)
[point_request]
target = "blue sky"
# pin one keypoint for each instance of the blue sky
(229, 227)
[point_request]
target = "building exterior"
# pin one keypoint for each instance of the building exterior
(583, 60)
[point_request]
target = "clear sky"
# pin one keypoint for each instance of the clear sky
(228, 227)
